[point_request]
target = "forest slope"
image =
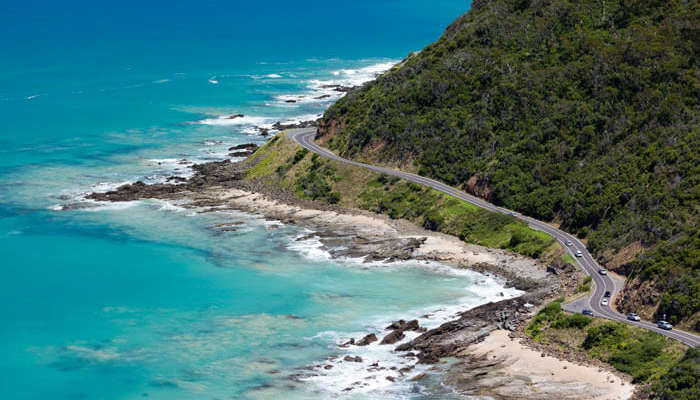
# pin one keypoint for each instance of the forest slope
(582, 113)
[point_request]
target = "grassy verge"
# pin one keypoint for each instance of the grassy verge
(282, 164)
(585, 286)
(439, 212)
(646, 356)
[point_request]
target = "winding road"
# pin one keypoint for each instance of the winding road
(305, 136)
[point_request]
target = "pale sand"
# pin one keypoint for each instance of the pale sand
(544, 372)
(438, 246)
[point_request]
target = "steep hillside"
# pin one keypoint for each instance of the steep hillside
(584, 113)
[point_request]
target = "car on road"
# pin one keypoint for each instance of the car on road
(604, 302)
(587, 312)
(632, 316)
(603, 271)
(607, 293)
(664, 325)
(579, 253)
(569, 243)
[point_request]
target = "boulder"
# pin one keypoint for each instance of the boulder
(405, 326)
(393, 337)
(367, 340)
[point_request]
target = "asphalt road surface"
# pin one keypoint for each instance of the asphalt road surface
(304, 137)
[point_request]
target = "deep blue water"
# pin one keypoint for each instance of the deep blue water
(145, 299)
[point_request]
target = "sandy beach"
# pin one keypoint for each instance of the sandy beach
(503, 367)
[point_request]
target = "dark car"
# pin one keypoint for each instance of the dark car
(632, 316)
(607, 293)
(587, 312)
(664, 325)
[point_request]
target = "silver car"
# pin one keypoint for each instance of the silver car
(569, 243)
(664, 325)
(579, 253)
(632, 316)
(604, 302)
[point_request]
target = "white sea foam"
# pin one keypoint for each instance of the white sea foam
(301, 118)
(111, 206)
(372, 381)
(311, 247)
(327, 96)
(324, 91)
(356, 77)
(172, 206)
(213, 80)
(34, 96)
(161, 81)
(226, 120)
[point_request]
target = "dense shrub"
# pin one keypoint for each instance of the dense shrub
(682, 381)
(576, 321)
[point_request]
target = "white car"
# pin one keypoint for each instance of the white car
(603, 271)
(604, 302)
(632, 316)
(579, 253)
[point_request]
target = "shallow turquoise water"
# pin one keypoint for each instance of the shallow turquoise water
(145, 299)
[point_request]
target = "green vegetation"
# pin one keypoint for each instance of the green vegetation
(585, 286)
(439, 212)
(681, 382)
(644, 355)
(315, 182)
(581, 112)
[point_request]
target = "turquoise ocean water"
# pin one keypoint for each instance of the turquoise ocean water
(145, 299)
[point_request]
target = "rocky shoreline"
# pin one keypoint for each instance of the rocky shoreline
(356, 234)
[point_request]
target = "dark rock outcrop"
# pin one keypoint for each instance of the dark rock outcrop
(217, 173)
(241, 154)
(393, 337)
(367, 340)
(245, 146)
(405, 326)
(450, 338)
(339, 88)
